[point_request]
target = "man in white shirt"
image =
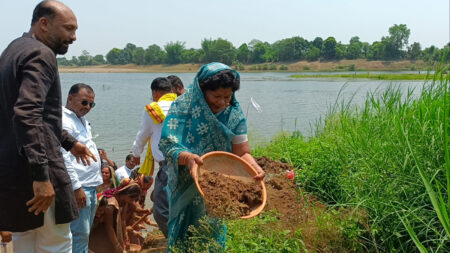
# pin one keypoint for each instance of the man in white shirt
(151, 126)
(125, 171)
(85, 178)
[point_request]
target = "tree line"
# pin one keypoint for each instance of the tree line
(392, 47)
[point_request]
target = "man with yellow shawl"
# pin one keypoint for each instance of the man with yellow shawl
(150, 131)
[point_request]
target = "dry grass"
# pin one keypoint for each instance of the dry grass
(342, 65)
(359, 64)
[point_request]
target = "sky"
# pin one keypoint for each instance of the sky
(106, 24)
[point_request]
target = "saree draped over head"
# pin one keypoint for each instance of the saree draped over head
(191, 126)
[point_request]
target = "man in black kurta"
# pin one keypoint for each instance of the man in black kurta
(31, 164)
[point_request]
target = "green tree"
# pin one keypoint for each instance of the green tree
(74, 61)
(313, 53)
(291, 49)
(257, 49)
(396, 41)
(127, 53)
(399, 35)
(365, 49)
(85, 59)
(329, 48)
(318, 42)
(98, 60)
(434, 54)
(138, 56)
(354, 49)
(269, 55)
(340, 51)
(62, 61)
(114, 56)
(414, 51)
(174, 51)
(154, 55)
(191, 55)
(219, 50)
(376, 51)
(243, 53)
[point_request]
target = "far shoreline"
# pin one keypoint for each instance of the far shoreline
(301, 66)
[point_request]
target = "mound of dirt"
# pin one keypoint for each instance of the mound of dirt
(294, 209)
(229, 198)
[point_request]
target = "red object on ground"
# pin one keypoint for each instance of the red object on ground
(290, 174)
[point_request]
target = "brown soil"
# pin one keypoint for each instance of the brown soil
(282, 196)
(295, 210)
(229, 198)
(298, 211)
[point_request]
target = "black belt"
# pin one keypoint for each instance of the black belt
(162, 163)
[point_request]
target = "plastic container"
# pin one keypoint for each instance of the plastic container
(232, 166)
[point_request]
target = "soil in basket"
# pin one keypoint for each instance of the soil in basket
(229, 198)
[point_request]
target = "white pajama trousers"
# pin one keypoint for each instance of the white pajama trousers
(50, 237)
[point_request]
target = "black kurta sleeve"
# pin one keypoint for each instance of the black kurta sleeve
(38, 72)
(67, 141)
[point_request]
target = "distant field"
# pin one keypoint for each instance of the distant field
(368, 76)
(301, 66)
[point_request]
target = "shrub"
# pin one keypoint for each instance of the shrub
(238, 65)
(283, 67)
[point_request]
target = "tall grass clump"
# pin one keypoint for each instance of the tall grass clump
(378, 157)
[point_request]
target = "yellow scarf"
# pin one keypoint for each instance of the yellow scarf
(156, 113)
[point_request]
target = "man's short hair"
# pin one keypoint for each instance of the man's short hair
(43, 9)
(175, 81)
(161, 84)
(77, 87)
(129, 156)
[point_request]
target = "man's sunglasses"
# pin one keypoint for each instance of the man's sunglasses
(85, 103)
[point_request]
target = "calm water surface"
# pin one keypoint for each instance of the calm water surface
(287, 104)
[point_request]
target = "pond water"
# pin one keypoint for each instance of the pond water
(287, 104)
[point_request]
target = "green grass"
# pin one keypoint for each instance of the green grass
(387, 157)
(255, 235)
(368, 76)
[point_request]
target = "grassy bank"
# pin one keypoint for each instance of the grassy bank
(301, 66)
(368, 76)
(369, 158)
